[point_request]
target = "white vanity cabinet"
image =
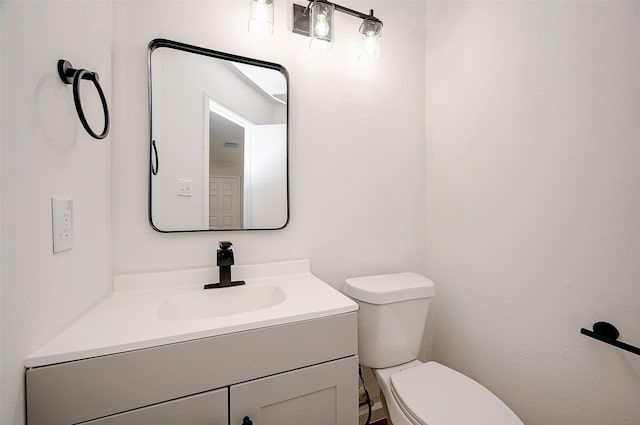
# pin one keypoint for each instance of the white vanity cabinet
(305, 395)
(301, 372)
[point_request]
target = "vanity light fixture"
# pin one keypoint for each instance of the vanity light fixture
(316, 21)
(261, 17)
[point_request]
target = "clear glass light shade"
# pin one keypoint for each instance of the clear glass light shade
(321, 26)
(371, 30)
(261, 17)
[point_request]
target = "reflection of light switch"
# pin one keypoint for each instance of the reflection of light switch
(184, 187)
(62, 214)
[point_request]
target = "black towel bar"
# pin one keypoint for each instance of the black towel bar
(70, 75)
(606, 332)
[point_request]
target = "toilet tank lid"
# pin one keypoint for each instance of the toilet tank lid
(389, 288)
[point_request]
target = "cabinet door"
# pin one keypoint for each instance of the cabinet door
(325, 394)
(210, 408)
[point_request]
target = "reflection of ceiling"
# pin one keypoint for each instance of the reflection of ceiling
(268, 80)
(221, 132)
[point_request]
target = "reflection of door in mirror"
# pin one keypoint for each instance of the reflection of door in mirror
(226, 137)
(224, 202)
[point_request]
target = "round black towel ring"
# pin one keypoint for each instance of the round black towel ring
(70, 75)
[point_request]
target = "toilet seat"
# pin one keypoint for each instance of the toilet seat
(433, 394)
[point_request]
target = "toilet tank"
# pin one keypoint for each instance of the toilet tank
(393, 311)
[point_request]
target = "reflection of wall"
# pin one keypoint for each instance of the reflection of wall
(180, 147)
(227, 169)
(222, 131)
(222, 82)
(225, 160)
(185, 78)
(267, 190)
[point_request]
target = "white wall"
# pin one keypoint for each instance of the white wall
(356, 141)
(1, 367)
(533, 201)
(45, 153)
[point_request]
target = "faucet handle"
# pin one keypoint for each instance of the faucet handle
(224, 245)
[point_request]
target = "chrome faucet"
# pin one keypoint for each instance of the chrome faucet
(225, 261)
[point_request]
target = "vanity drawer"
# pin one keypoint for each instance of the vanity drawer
(211, 408)
(82, 390)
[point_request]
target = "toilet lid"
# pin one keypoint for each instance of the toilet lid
(389, 288)
(433, 394)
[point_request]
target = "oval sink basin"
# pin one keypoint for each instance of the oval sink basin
(219, 302)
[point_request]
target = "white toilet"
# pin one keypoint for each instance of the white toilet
(391, 319)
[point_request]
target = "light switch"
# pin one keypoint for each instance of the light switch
(184, 187)
(62, 220)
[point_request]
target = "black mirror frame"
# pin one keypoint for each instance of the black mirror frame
(161, 42)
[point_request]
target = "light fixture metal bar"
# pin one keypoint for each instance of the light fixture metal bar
(301, 16)
(352, 12)
(348, 11)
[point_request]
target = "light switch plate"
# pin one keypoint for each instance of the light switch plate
(184, 187)
(62, 220)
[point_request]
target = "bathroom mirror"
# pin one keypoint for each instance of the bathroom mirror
(219, 140)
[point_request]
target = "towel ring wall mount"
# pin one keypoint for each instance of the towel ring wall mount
(70, 75)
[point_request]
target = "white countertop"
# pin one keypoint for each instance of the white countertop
(127, 319)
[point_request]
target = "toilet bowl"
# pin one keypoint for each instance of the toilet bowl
(391, 320)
